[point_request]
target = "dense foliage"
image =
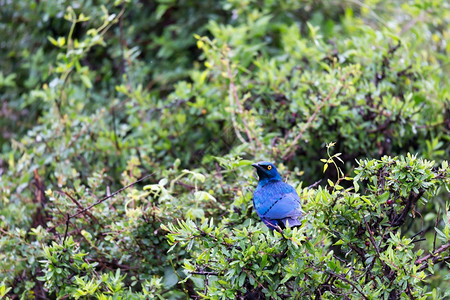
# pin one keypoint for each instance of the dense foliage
(183, 96)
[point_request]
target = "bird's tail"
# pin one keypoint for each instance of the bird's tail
(293, 222)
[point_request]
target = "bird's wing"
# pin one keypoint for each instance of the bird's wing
(277, 200)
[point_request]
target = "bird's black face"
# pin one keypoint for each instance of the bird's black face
(266, 170)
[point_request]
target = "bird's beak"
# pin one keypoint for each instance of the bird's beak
(256, 166)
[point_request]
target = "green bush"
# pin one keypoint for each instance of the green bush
(350, 244)
(185, 94)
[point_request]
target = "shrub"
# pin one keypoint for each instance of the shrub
(183, 95)
(349, 246)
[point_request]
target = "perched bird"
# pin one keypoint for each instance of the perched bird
(275, 201)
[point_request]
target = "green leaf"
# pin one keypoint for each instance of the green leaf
(86, 81)
(241, 279)
(443, 237)
(384, 197)
(195, 213)
(170, 278)
(356, 186)
(264, 261)
(366, 199)
(52, 40)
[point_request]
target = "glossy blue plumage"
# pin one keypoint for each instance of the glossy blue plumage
(276, 202)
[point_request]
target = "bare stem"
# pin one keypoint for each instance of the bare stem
(289, 151)
(434, 256)
(235, 98)
(349, 282)
(110, 196)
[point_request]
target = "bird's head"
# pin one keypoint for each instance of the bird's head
(266, 170)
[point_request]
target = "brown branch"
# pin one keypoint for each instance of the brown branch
(67, 227)
(412, 200)
(40, 215)
(189, 187)
(314, 184)
(392, 49)
(358, 250)
(381, 127)
(434, 256)
(93, 269)
(259, 283)
(408, 291)
(349, 282)
(204, 273)
(110, 196)
(372, 240)
(435, 232)
(79, 205)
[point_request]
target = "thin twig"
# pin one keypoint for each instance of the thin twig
(259, 283)
(412, 199)
(204, 273)
(416, 234)
(294, 145)
(233, 94)
(423, 262)
(435, 232)
(314, 184)
(233, 120)
(110, 196)
(372, 240)
(349, 282)
(79, 205)
(67, 227)
(85, 210)
(206, 284)
(419, 240)
(93, 269)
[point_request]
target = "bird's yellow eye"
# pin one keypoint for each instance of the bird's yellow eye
(269, 167)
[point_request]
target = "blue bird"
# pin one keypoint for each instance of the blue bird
(275, 201)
